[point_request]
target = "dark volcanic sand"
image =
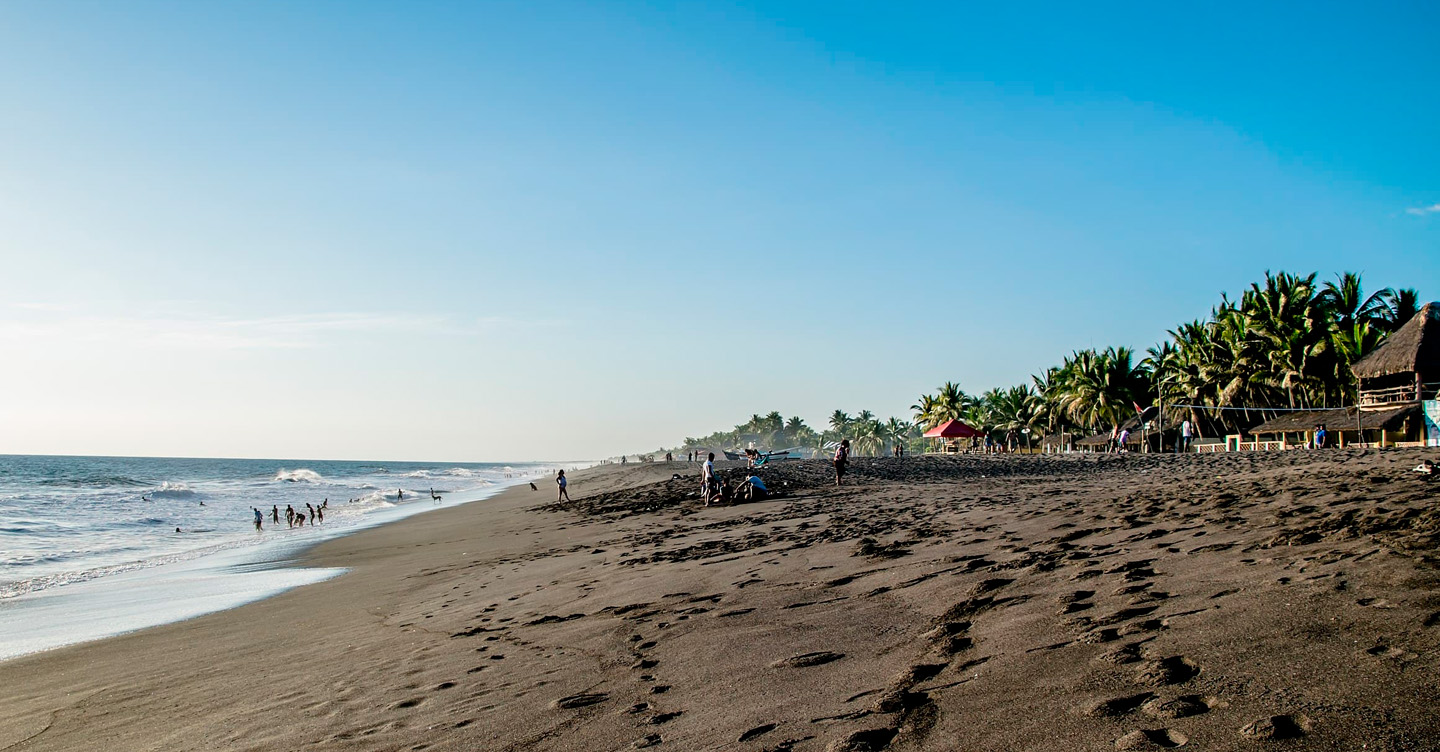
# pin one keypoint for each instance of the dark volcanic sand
(1256, 601)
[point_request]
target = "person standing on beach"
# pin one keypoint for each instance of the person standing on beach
(289, 516)
(564, 494)
(259, 519)
(842, 458)
(707, 480)
(275, 515)
(311, 510)
(1185, 436)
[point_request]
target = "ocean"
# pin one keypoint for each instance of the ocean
(95, 546)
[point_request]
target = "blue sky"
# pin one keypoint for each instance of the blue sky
(489, 231)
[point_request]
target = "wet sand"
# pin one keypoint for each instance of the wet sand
(1286, 601)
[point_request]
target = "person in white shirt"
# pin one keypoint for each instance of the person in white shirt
(1185, 436)
(707, 480)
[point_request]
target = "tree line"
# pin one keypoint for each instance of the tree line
(1288, 341)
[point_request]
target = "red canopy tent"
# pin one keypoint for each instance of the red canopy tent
(952, 429)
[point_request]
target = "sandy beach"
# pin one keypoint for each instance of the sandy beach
(1240, 601)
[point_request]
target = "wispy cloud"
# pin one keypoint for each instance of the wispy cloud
(1421, 211)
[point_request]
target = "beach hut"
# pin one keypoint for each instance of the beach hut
(1058, 443)
(1381, 425)
(1406, 368)
(1393, 380)
(949, 434)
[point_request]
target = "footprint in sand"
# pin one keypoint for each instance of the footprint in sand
(868, 740)
(1183, 706)
(1173, 670)
(1276, 727)
(1140, 739)
(807, 659)
(1114, 707)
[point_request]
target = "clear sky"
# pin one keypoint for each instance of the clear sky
(535, 230)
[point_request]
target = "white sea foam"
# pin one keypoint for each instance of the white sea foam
(67, 521)
(299, 475)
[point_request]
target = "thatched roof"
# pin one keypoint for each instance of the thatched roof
(1414, 347)
(1337, 419)
(1101, 439)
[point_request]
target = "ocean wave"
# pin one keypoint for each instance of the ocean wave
(94, 481)
(173, 489)
(417, 474)
(299, 475)
(375, 499)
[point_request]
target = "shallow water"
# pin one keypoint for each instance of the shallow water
(89, 548)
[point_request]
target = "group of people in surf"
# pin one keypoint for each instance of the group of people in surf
(312, 514)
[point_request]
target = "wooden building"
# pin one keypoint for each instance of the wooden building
(1393, 380)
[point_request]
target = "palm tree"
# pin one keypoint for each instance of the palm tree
(897, 431)
(925, 411)
(1101, 388)
(1344, 300)
(840, 424)
(1400, 307)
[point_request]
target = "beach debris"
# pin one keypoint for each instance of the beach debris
(579, 701)
(807, 659)
(757, 732)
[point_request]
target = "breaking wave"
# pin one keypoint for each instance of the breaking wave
(299, 475)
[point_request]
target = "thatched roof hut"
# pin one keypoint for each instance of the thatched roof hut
(1406, 367)
(1339, 419)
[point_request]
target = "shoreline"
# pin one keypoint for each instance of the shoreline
(209, 581)
(988, 603)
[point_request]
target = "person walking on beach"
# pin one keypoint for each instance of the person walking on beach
(1120, 441)
(842, 458)
(1184, 436)
(707, 480)
(564, 494)
(259, 519)
(1320, 437)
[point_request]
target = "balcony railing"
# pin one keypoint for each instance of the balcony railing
(1398, 394)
